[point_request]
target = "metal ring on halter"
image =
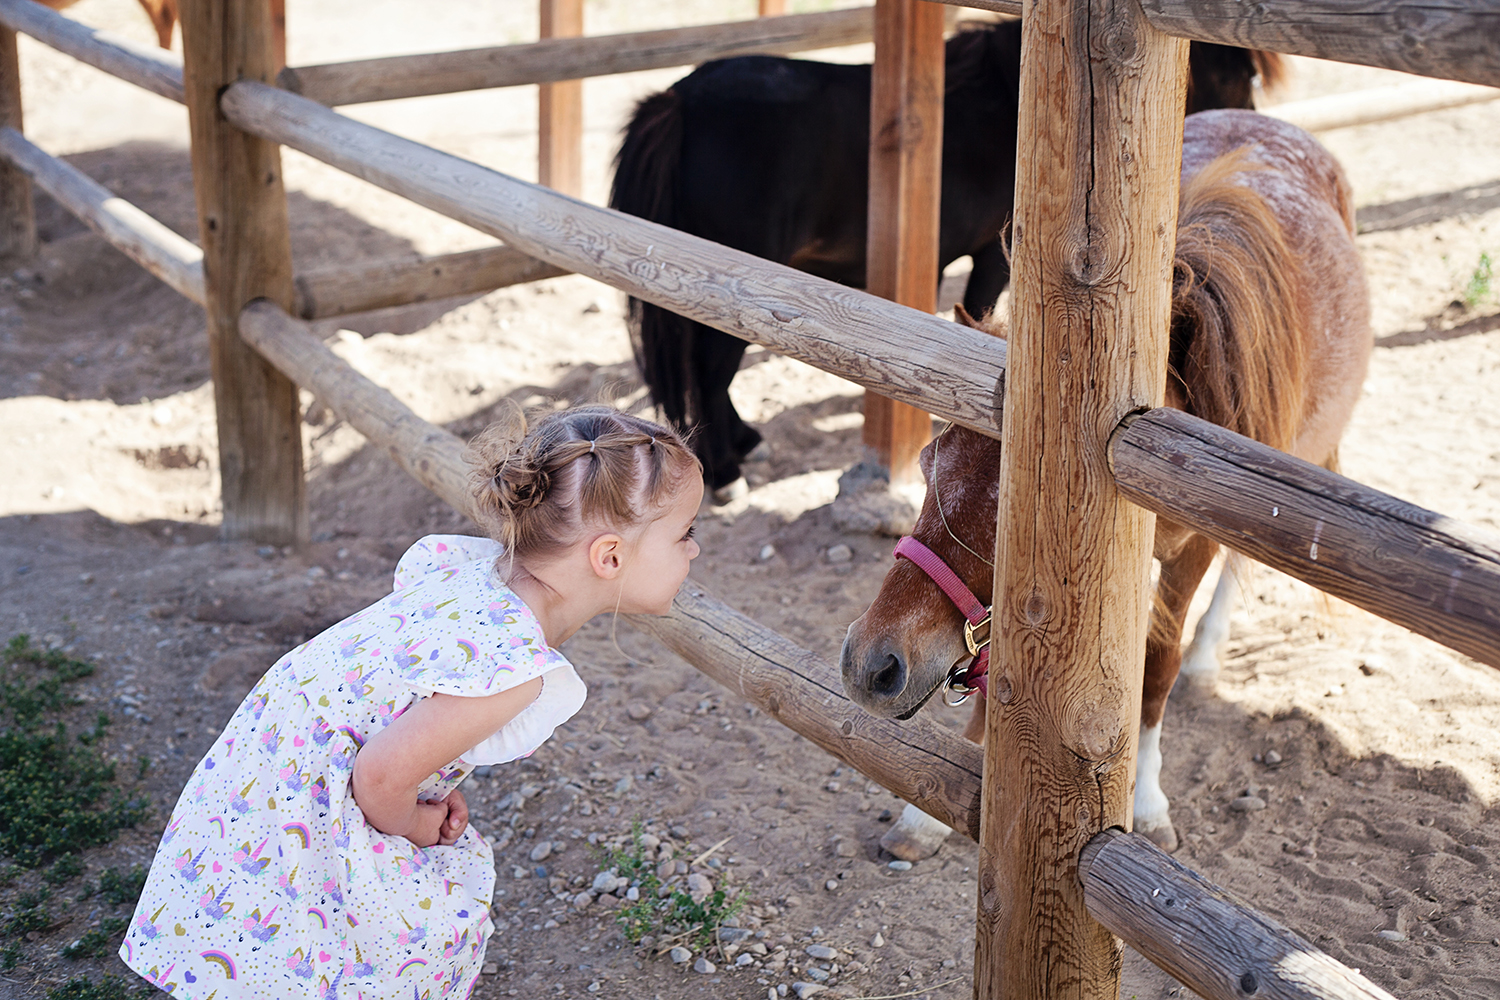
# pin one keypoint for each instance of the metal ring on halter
(956, 682)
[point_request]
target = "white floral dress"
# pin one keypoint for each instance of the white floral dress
(268, 882)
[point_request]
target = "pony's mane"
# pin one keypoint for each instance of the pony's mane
(1235, 359)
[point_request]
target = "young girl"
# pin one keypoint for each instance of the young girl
(322, 847)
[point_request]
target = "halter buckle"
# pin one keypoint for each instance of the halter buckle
(976, 644)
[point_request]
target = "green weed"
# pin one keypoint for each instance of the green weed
(1480, 282)
(54, 789)
(117, 888)
(674, 915)
(65, 869)
(30, 914)
(11, 956)
(102, 940)
(112, 988)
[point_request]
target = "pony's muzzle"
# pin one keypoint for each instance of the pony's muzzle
(875, 678)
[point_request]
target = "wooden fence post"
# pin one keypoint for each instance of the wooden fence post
(906, 170)
(1096, 207)
(560, 108)
(242, 225)
(17, 216)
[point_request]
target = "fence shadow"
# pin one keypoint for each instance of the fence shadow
(1476, 199)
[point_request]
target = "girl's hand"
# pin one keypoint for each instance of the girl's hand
(456, 819)
(439, 823)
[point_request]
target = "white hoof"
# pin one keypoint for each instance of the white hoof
(915, 835)
(1200, 663)
(732, 492)
(1151, 807)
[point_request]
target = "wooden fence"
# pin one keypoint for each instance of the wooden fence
(1059, 755)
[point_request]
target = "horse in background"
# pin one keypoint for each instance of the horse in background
(771, 156)
(1270, 338)
(163, 15)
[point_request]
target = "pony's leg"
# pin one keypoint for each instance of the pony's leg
(917, 835)
(716, 359)
(1200, 664)
(1180, 576)
(988, 279)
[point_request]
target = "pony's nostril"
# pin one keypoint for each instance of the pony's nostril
(890, 678)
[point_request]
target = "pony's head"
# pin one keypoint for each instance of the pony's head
(901, 650)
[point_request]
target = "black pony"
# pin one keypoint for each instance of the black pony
(771, 156)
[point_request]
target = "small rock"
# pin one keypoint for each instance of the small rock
(608, 881)
(85, 578)
(551, 925)
(832, 786)
(679, 955)
(638, 711)
(316, 573)
(805, 990)
(745, 959)
(161, 416)
(519, 872)
(632, 894)
(767, 552)
(1391, 935)
(595, 986)
(840, 553)
(625, 784)
(878, 941)
(490, 968)
(1273, 758)
(846, 849)
(735, 935)
(699, 886)
(582, 901)
(822, 952)
(831, 884)
(899, 866)
(541, 851)
(589, 309)
(817, 974)
(704, 966)
(1248, 804)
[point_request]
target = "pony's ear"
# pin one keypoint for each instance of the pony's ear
(989, 324)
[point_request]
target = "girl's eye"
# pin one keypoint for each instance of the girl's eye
(692, 530)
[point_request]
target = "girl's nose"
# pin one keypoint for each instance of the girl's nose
(693, 552)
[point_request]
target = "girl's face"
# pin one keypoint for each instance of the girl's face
(662, 552)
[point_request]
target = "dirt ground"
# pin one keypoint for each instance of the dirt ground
(1380, 841)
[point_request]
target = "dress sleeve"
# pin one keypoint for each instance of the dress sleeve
(433, 553)
(562, 696)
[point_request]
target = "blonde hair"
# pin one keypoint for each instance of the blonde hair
(538, 487)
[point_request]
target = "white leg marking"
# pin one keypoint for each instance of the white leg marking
(915, 835)
(1151, 805)
(1200, 664)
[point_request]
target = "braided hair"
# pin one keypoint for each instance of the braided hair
(538, 487)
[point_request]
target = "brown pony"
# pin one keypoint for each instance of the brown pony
(1270, 338)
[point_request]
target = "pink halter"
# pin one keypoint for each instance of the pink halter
(975, 677)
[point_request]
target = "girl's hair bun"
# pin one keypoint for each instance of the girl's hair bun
(536, 485)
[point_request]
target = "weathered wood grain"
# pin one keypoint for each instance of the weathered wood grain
(1100, 137)
(154, 69)
(906, 176)
(923, 763)
(433, 456)
(17, 211)
(917, 358)
(339, 291)
(560, 108)
(247, 254)
(1379, 104)
(171, 257)
(1011, 7)
(1449, 39)
(556, 59)
(1432, 574)
(1212, 943)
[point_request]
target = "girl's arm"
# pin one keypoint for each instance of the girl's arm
(432, 733)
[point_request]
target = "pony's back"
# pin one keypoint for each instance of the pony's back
(1270, 312)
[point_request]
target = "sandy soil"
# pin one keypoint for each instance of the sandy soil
(1381, 814)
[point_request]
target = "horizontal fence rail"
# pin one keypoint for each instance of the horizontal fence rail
(168, 255)
(1432, 574)
(552, 60)
(923, 763)
(150, 68)
(1448, 39)
(911, 356)
(381, 284)
(1212, 943)
(1379, 104)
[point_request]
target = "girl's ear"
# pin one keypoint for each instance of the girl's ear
(606, 556)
